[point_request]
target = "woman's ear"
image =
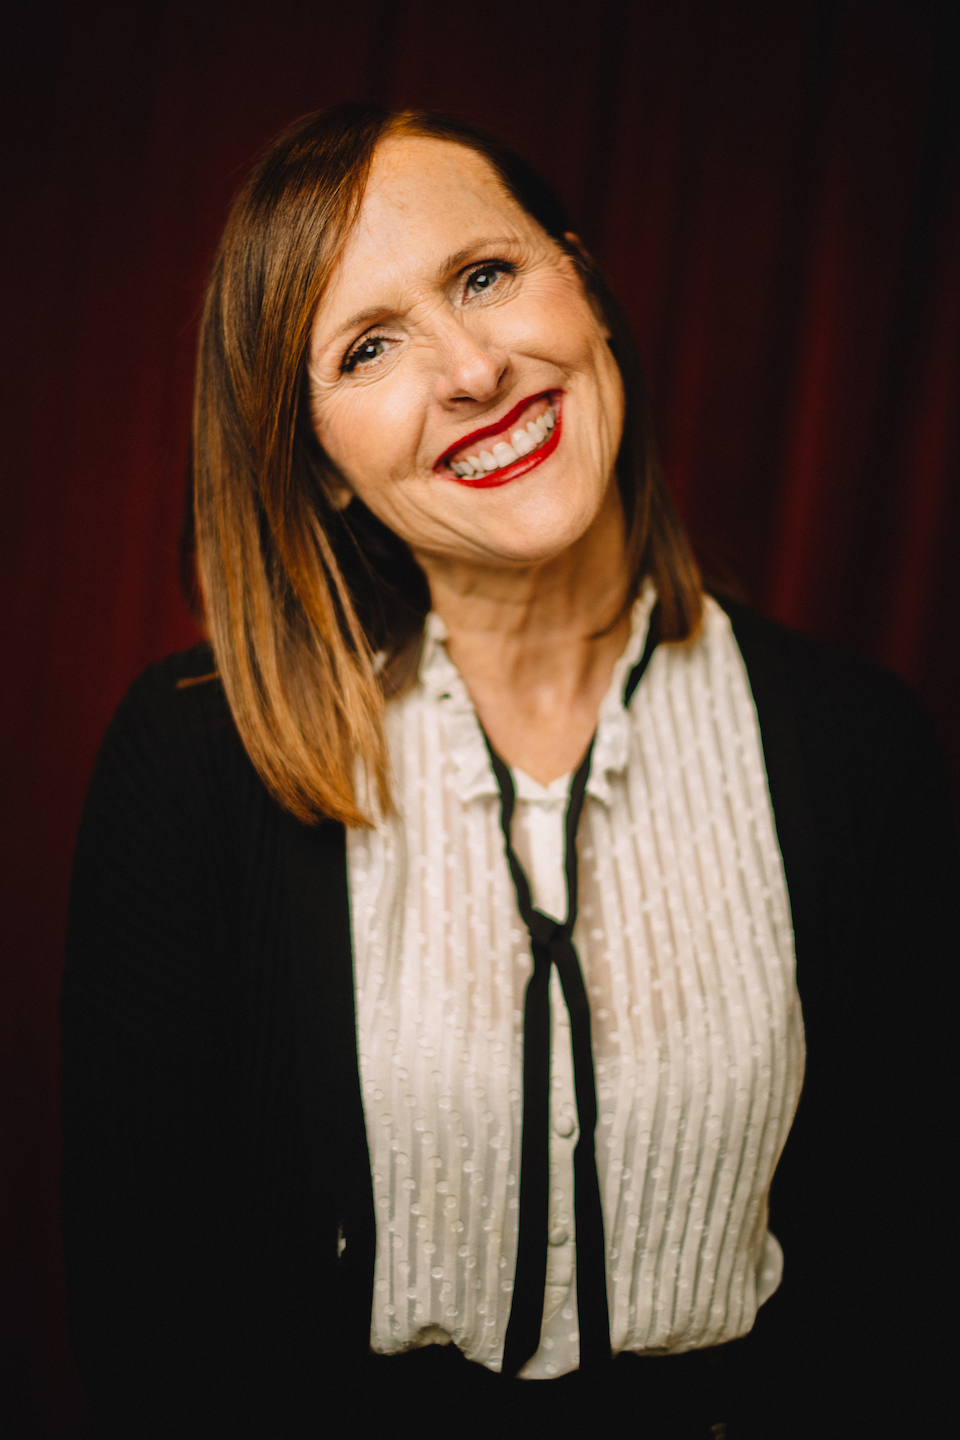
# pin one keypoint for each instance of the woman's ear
(335, 489)
(338, 493)
(589, 267)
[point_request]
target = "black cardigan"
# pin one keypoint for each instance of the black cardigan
(214, 1144)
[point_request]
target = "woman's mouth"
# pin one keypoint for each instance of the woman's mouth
(502, 452)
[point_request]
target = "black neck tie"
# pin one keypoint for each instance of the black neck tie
(551, 943)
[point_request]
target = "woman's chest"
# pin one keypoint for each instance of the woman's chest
(684, 940)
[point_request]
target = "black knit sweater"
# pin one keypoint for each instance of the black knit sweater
(214, 1144)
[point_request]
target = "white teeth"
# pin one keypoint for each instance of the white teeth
(523, 442)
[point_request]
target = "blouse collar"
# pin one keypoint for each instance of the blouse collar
(441, 683)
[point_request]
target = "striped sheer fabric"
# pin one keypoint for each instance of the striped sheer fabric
(685, 942)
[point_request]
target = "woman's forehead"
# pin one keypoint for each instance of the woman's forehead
(428, 204)
(409, 170)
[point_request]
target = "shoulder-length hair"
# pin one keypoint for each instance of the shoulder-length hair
(314, 612)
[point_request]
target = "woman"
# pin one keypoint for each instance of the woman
(431, 1016)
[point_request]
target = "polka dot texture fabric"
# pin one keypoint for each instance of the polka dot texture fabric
(686, 946)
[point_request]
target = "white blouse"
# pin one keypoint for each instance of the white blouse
(686, 946)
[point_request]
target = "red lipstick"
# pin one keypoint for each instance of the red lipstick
(524, 463)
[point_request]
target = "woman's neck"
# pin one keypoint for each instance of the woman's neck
(535, 644)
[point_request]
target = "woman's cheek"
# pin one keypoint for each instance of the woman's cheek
(551, 332)
(389, 425)
(356, 434)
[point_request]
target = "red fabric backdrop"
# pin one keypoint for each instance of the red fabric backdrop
(772, 186)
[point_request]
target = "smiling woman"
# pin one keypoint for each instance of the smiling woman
(432, 295)
(431, 1017)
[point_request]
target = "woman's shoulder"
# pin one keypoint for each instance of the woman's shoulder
(840, 700)
(179, 695)
(171, 747)
(853, 758)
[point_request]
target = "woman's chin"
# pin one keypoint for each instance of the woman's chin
(510, 547)
(544, 527)
(532, 520)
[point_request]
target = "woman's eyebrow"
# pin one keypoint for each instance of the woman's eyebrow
(373, 313)
(361, 320)
(454, 261)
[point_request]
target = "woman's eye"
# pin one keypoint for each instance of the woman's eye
(369, 349)
(485, 278)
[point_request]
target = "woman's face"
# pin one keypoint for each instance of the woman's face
(460, 379)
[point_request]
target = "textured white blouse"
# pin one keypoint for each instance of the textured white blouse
(686, 946)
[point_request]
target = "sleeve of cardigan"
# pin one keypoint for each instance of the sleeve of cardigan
(900, 1099)
(146, 1079)
(862, 1201)
(863, 1192)
(895, 1097)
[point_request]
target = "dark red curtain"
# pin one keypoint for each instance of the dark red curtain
(772, 186)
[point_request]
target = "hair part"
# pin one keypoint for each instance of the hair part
(315, 613)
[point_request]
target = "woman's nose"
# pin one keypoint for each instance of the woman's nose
(471, 366)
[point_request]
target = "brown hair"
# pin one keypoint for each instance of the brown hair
(300, 597)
